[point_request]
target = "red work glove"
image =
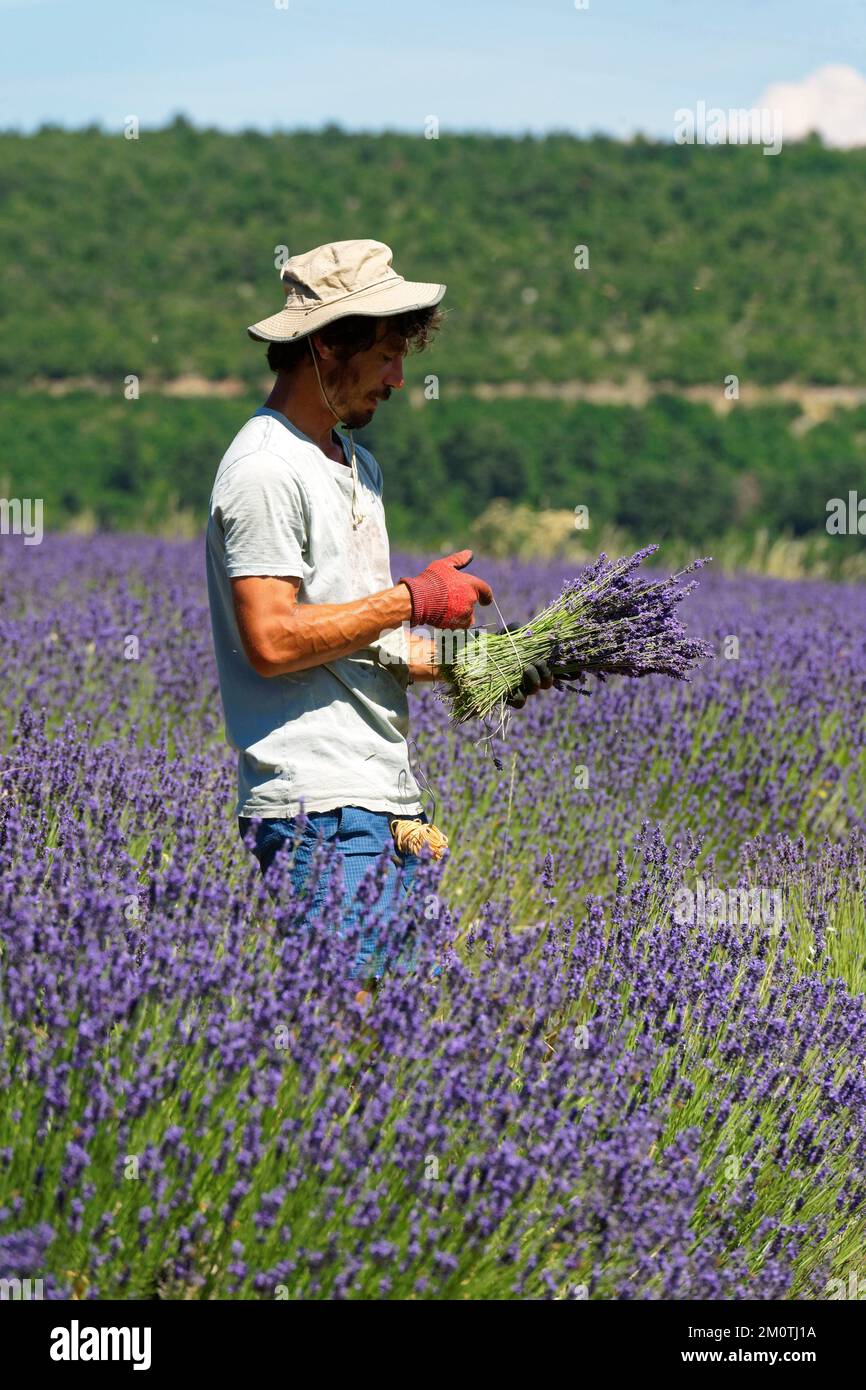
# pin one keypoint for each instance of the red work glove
(443, 598)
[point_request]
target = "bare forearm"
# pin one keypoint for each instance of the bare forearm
(313, 633)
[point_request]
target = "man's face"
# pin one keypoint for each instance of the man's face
(356, 386)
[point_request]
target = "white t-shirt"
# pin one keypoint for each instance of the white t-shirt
(335, 734)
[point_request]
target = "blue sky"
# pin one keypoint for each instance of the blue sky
(618, 66)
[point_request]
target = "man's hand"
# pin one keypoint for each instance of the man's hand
(536, 676)
(424, 659)
(442, 597)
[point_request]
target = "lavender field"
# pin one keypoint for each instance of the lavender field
(580, 1090)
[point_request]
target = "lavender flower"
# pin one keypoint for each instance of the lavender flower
(605, 622)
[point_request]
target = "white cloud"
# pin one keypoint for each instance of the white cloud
(831, 100)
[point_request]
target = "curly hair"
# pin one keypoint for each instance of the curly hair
(357, 333)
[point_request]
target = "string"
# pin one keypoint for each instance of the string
(488, 737)
(411, 835)
(357, 515)
(411, 742)
(506, 631)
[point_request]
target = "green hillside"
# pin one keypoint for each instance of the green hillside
(671, 469)
(150, 256)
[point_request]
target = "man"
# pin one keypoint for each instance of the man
(311, 634)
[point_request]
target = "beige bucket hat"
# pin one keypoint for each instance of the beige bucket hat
(341, 278)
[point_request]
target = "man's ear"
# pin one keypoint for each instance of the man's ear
(320, 348)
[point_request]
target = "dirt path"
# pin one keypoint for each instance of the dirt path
(815, 402)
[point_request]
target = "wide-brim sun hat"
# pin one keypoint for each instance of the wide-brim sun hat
(341, 278)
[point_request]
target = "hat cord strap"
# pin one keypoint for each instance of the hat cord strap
(357, 514)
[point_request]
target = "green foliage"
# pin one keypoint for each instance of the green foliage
(670, 469)
(152, 255)
(704, 261)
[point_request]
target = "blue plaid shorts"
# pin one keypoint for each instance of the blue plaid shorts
(360, 836)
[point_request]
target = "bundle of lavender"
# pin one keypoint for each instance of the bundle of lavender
(608, 621)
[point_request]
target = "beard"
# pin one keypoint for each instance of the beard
(343, 389)
(355, 418)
